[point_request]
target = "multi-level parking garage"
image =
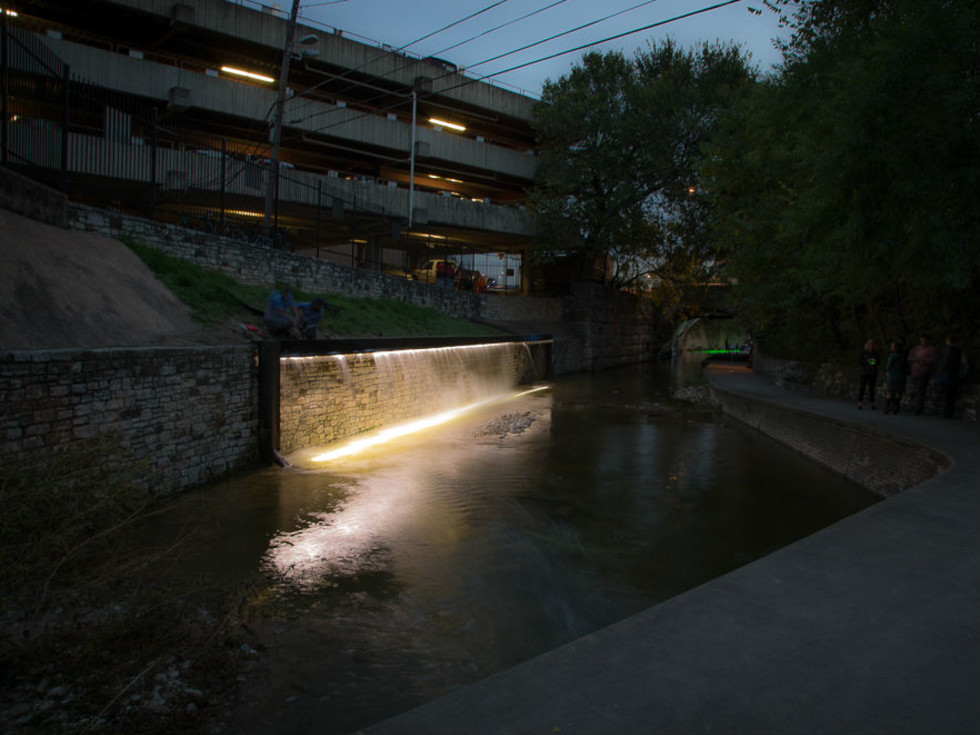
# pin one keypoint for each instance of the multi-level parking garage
(167, 109)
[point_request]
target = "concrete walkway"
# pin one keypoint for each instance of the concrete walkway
(871, 625)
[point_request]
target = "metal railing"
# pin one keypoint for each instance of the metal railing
(113, 150)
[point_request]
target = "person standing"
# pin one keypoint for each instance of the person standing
(869, 372)
(922, 358)
(895, 371)
(948, 375)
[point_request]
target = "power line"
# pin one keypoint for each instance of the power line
(518, 50)
(408, 45)
(502, 25)
(564, 33)
(467, 82)
(610, 38)
(454, 23)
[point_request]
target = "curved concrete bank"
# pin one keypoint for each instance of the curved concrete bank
(877, 459)
(870, 625)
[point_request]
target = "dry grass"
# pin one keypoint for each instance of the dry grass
(94, 635)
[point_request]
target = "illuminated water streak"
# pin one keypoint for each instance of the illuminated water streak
(411, 427)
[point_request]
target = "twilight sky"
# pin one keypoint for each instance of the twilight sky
(401, 22)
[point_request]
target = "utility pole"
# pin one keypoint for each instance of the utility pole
(411, 174)
(272, 190)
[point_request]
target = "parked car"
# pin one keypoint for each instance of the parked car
(391, 270)
(428, 272)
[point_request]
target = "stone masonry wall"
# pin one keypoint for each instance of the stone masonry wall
(880, 462)
(604, 328)
(189, 414)
(31, 199)
(327, 398)
(615, 328)
(842, 381)
(263, 266)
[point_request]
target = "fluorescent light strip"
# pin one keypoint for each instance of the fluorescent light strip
(249, 74)
(445, 124)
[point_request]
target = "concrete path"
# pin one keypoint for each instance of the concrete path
(871, 625)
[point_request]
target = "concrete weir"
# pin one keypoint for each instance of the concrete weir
(317, 392)
(867, 626)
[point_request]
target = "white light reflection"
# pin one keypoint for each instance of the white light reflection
(394, 432)
(392, 509)
(343, 543)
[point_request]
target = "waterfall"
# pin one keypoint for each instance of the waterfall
(325, 398)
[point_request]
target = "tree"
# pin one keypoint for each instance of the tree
(842, 192)
(621, 142)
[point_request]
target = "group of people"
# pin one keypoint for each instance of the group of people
(285, 318)
(917, 367)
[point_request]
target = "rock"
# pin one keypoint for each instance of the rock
(59, 692)
(18, 710)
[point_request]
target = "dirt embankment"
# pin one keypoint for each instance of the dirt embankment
(62, 289)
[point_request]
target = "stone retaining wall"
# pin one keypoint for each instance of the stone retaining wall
(331, 397)
(605, 328)
(615, 328)
(263, 266)
(32, 199)
(842, 381)
(880, 462)
(189, 414)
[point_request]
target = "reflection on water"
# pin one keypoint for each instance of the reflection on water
(400, 573)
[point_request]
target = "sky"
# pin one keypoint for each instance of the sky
(399, 23)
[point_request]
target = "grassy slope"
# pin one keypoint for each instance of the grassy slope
(214, 297)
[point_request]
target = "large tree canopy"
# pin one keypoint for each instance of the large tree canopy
(621, 145)
(843, 192)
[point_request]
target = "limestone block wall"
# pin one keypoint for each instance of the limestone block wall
(842, 381)
(615, 328)
(185, 415)
(327, 398)
(880, 462)
(261, 266)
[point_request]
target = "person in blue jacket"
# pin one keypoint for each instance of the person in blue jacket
(310, 314)
(281, 314)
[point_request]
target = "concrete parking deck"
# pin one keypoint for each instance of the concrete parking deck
(871, 625)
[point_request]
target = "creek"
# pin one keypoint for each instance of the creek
(390, 577)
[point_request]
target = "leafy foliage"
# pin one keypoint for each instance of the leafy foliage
(842, 191)
(621, 141)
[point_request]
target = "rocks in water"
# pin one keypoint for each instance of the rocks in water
(699, 395)
(511, 423)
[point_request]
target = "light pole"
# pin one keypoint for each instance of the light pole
(272, 190)
(411, 173)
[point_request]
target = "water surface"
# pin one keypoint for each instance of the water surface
(391, 577)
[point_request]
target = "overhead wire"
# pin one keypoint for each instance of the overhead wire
(637, 6)
(385, 54)
(436, 53)
(498, 27)
(565, 52)
(454, 23)
(565, 33)
(610, 38)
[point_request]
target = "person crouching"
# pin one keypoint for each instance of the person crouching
(310, 314)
